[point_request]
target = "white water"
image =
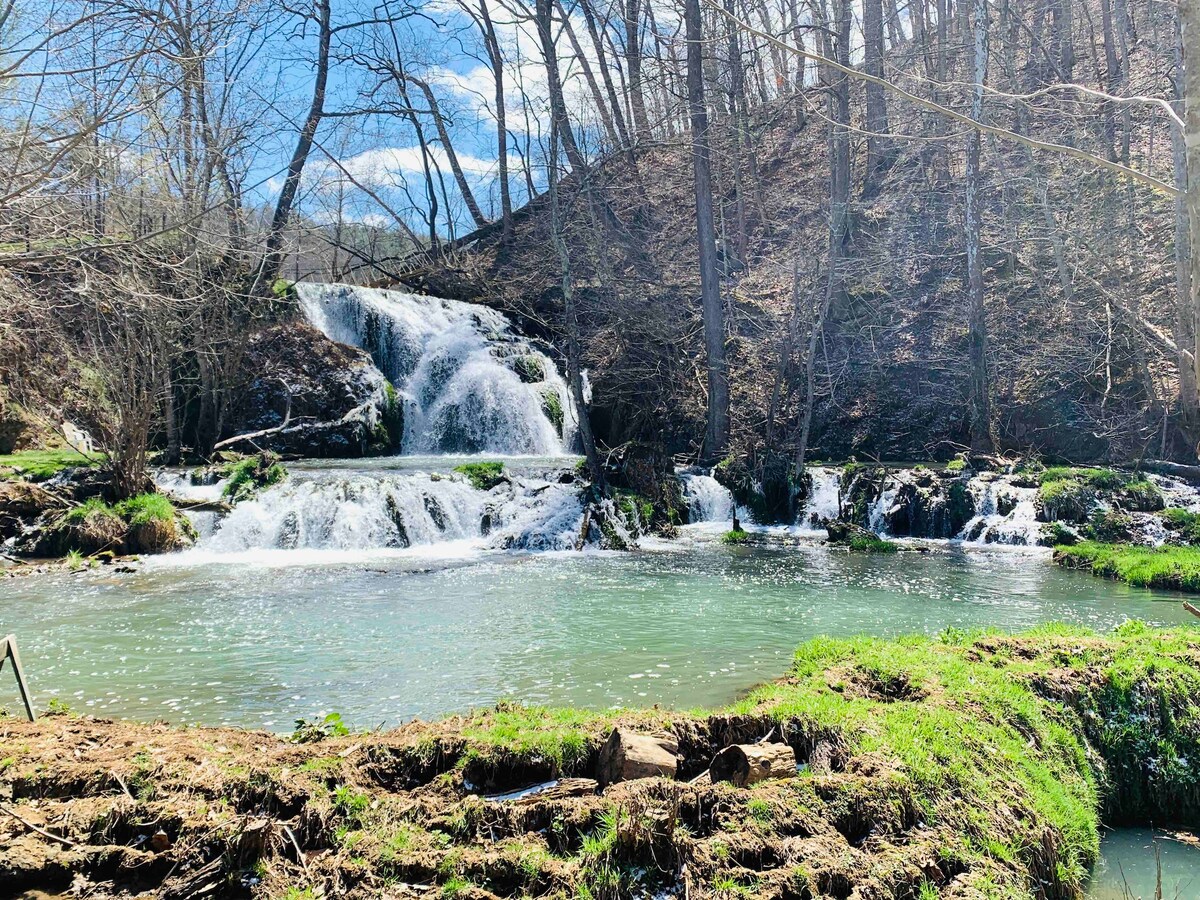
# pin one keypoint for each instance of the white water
(707, 499)
(456, 367)
(824, 498)
(988, 526)
(351, 513)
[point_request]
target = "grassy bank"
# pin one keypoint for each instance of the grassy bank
(42, 464)
(1167, 567)
(972, 766)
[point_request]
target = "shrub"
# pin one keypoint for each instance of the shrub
(483, 475)
(1183, 523)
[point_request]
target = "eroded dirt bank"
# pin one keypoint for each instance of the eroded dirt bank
(968, 767)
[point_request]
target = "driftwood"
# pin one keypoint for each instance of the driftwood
(1191, 608)
(627, 755)
(561, 790)
(746, 764)
(208, 879)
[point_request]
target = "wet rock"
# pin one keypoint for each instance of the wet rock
(313, 397)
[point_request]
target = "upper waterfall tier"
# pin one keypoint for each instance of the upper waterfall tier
(469, 382)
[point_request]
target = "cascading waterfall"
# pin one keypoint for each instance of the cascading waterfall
(357, 511)
(1004, 514)
(707, 499)
(469, 382)
(824, 496)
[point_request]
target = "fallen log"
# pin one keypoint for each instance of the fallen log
(627, 755)
(747, 764)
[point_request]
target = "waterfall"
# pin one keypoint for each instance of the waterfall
(877, 515)
(368, 511)
(1004, 513)
(824, 495)
(469, 382)
(707, 499)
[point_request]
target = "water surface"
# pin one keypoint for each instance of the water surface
(383, 636)
(1131, 860)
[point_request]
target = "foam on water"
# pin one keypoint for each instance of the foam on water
(346, 516)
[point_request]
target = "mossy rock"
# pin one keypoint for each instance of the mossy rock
(529, 368)
(248, 475)
(553, 408)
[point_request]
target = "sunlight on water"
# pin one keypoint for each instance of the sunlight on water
(385, 637)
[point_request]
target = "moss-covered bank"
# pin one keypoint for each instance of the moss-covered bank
(970, 766)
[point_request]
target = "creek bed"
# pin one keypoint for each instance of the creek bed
(382, 636)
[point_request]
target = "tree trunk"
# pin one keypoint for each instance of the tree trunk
(558, 107)
(747, 764)
(268, 269)
(571, 320)
(1189, 21)
(627, 755)
(588, 76)
(497, 62)
(606, 76)
(879, 150)
(980, 398)
(717, 434)
(633, 62)
(443, 136)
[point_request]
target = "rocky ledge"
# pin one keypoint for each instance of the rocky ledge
(313, 397)
(970, 766)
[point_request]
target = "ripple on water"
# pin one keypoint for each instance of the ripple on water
(386, 640)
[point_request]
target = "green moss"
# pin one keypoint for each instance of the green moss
(736, 536)
(1054, 534)
(871, 543)
(249, 475)
(146, 508)
(1172, 568)
(553, 408)
(1101, 479)
(1066, 498)
(38, 465)
(483, 475)
(529, 369)
(957, 464)
(1141, 495)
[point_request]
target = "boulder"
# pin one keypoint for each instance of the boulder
(313, 397)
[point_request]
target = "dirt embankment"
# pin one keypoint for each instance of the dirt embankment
(966, 767)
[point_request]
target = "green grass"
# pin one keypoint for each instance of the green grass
(872, 543)
(957, 464)
(89, 507)
(735, 536)
(39, 465)
(1101, 479)
(146, 508)
(1172, 568)
(483, 475)
(1185, 524)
